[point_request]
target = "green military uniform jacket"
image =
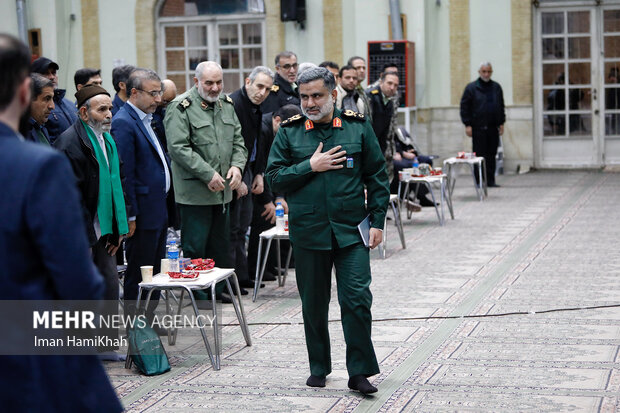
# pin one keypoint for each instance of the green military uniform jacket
(322, 203)
(202, 139)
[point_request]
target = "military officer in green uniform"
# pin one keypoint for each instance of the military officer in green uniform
(208, 154)
(322, 162)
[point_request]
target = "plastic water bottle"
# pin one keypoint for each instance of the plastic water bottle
(414, 166)
(173, 256)
(279, 217)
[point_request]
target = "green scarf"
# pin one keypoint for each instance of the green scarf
(111, 200)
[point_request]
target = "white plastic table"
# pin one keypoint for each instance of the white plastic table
(268, 236)
(480, 185)
(204, 281)
(445, 196)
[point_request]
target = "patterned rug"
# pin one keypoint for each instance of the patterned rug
(460, 316)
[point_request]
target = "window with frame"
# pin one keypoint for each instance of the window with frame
(229, 32)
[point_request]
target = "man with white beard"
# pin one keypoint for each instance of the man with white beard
(96, 164)
(208, 155)
(322, 162)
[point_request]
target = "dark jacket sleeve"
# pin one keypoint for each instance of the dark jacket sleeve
(282, 174)
(58, 234)
(123, 133)
(502, 109)
(375, 178)
(467, 106)
(264, 142)
(68, 143)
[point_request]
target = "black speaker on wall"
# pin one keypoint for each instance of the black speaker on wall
(293, 10)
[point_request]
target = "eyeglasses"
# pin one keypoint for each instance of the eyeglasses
(288, 66)
(153, 93)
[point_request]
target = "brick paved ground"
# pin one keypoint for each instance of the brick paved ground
(543, 241)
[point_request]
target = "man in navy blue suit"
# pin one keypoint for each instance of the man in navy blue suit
(147, 174)
(44, 255)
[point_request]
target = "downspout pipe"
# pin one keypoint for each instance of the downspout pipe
(397, 28)
(21, 20)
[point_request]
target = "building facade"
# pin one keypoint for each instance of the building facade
(557, 60)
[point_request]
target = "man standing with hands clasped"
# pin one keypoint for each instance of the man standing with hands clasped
(323, 161)
(482, 112)
(208, 155)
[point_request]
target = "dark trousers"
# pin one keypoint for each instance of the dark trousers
(485, 141)
(240, 220)
(205, 233)
(313, 271)
(106, 264)
(146, 247)
(259, 224)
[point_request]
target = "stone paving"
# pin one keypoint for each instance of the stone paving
(463, 316)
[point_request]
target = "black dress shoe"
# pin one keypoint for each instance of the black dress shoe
(249, 284)
(361, 384)
(315, 381)
(425, 202)
(493, 185)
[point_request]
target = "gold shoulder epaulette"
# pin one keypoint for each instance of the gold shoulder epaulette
(184, 104)
(353, 115)
(374, 91)
(292, 120)
(275, 88)
(229, 100)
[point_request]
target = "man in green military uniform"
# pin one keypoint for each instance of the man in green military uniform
(205, 145)
(322, 161)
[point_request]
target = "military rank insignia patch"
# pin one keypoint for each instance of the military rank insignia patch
(309, 125)
(229, 100)
(204, 105)
(337, 123)
(184, 104)
(353, 115)
(275, 88)
(291, 120)
(374, 91)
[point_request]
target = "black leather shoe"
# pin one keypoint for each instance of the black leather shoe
(361, 384)
(493, 186)
(425, 202)
(315, 381)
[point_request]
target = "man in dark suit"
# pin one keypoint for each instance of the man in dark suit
(44, 255)
(147, 173)
(284, 90)
(383, 112)
(120, 74)
(65, 112)
(40, 108)
(247, 102)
